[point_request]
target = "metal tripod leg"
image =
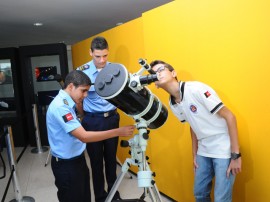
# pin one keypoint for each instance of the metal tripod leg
(154, 194)
(115, 187)
(154, 190)
(13, 168)
(120, 177)
(117, 159)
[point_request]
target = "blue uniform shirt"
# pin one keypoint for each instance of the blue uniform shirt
(93, 102)
(61, 120)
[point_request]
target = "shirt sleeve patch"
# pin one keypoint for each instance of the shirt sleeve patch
(207, 94)
(67, 117)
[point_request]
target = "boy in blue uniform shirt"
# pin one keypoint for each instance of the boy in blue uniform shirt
(67, 139)
(99, 114)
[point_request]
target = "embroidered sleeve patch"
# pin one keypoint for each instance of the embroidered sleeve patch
(67, 117)
(207, 94)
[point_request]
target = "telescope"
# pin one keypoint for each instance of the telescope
(127, 92)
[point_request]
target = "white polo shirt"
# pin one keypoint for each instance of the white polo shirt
(198, 107)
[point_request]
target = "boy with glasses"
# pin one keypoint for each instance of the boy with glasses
(213, 130)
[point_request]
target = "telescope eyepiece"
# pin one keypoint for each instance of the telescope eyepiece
(146, 66)
(143, 63)
(148, 79)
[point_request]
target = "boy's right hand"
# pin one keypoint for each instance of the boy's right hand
(126, 130)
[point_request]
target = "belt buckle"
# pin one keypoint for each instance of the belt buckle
(106, 114)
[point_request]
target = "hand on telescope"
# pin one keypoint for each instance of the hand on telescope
(126, 130)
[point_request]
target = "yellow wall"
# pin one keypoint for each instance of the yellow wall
(224, 43)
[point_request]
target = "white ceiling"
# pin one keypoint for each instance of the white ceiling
(68, 21)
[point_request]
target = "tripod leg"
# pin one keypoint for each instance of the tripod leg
(125, 168)
(153, 191)
(157, 192)
(115, 187)
(154, 194)
(117, 159)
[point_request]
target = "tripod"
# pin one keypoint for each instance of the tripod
(138, 146)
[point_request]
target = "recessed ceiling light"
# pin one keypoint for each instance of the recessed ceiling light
(38, 24)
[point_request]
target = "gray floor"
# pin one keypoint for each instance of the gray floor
(37, 181)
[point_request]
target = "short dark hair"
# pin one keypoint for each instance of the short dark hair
(168, 66)
(78, 78)
(99, 43)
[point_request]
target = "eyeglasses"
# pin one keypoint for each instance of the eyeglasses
(161, 69)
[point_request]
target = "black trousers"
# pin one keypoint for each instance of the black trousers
(103, 150)
(72, 180)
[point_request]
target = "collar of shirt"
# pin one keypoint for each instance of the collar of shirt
(93, 69)
(182, 89)
(92, 72)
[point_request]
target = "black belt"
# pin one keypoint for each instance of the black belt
(101, 114)
(71, 159)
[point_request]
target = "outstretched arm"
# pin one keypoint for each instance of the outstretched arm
(94, 136)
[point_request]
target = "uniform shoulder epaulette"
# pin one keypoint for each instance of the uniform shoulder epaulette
(83, 67)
